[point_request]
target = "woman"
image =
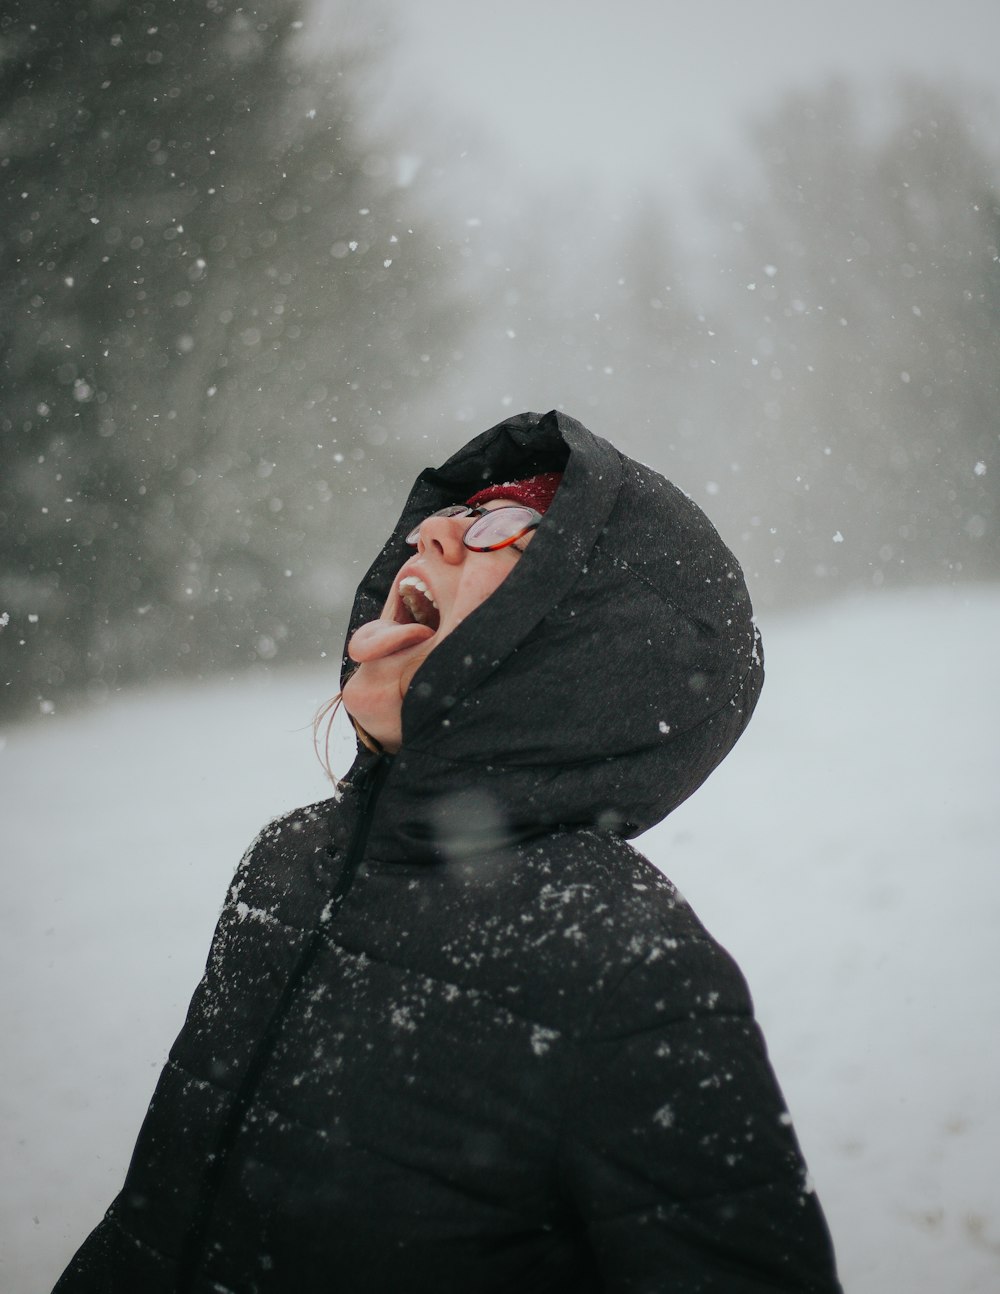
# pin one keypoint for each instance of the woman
(454, 1033)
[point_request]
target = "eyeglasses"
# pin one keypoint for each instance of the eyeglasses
(494, 528)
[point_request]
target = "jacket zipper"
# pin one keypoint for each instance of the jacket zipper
(368, 783)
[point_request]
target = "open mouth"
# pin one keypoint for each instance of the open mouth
(416, 604)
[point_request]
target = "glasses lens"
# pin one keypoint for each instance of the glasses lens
(498, 527)
(453, 510)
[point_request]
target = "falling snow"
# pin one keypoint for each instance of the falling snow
(830, 916)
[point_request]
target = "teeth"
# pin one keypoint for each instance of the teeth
(416, 595)
(412, 582)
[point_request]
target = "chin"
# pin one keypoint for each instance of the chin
(375, 706)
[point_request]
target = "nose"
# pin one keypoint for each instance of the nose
(442, 537)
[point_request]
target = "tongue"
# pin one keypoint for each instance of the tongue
(381, 638)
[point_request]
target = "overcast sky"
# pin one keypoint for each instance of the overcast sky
(645, 92)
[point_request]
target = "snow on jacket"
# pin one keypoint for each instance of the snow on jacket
(455, 1033)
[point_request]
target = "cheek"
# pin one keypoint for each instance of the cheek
(482, 580)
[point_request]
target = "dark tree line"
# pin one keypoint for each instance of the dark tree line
(232, 324)
(218, 308)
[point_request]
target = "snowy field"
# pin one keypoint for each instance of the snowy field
(847, 854)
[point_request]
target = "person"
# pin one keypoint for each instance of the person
(455, 1033)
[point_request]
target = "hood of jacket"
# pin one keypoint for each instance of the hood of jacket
(598, 686)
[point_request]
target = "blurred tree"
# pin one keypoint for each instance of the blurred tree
(867, 299)
(586, 309)
(666, 350)
(219, 310)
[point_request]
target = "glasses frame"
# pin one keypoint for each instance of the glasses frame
(463, 510)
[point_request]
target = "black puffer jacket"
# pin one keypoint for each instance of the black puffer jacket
(454, 1033)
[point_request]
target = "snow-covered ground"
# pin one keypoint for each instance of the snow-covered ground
(847, 854)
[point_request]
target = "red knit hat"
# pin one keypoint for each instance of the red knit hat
(534, 491)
